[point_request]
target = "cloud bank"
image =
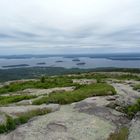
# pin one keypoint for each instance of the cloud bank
(75, 26)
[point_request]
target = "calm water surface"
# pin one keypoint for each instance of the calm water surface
(68, 63)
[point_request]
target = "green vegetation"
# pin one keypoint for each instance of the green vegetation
(62, 97)
(133, 109)
(136, 87)
(4, 100)
(36, 72)
(98, 76)
(99, 89)
(50, 82)
(62, 81)
(122, 134)
(11, 123)
(42, 79)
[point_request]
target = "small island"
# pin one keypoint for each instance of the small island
(41, 63)
(59, 61)
(82, 63)
(76, 60)
(12, 66)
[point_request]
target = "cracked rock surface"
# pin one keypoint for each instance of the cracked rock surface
(65, 124)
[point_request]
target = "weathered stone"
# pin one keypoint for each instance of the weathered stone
(111, 98)
(85, 81)
(119, 108)
(2, 118)
(94, 118)
(57, 126)
(18, 110)
(127, 96)
(65, 124)
(52, 107)
(39, 92)
(112, 105)
(24, 102)
(134, 131)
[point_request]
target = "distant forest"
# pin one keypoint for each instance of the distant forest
(36, 72)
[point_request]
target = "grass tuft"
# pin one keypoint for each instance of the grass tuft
(11, 123)
(133, 109)
(45, 83)
(122, 134)
(98, 89)
(50, 82)
(136, 87)
(4, 100)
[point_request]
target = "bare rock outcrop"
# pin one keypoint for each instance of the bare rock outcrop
(134, 131)
(18, 110)
(85, 81)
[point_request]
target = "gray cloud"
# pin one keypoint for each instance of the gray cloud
(60, 26)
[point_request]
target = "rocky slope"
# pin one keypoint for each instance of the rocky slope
(94, 118)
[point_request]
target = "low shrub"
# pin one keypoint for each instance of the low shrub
(51, 82)
(133, 109)
(44, 83)
(136, 87)
(98, 89)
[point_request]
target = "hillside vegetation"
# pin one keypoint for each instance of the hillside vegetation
(99, 89)
(110, 100)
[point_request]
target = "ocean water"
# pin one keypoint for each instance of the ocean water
(69, 63)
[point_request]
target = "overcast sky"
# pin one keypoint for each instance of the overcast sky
(69, 26)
